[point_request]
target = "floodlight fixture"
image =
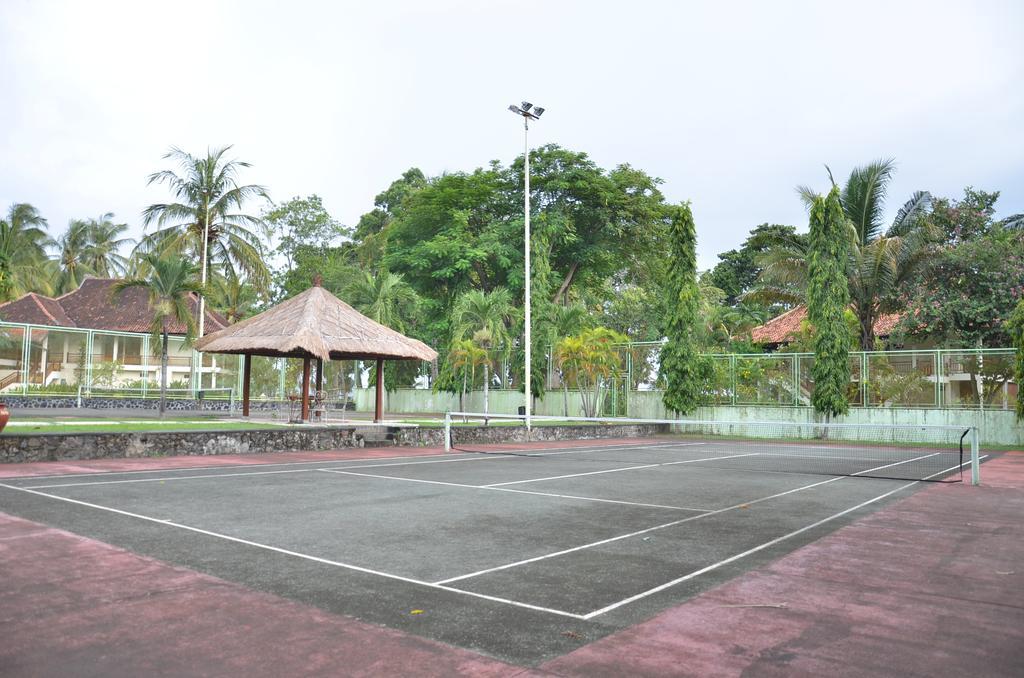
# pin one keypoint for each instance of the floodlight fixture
(515, 109)
(538, 111)
(527, 105)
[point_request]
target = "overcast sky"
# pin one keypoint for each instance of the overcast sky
(732, 104)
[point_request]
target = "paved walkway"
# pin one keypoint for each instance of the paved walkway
(932, 585)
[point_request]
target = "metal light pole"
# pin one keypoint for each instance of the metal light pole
(527, 115)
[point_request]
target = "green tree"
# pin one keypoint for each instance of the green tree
(71, 248)
(685, 370)
(207, 188)
(593, 361)
(385, 298)
(1017, 330)
(105, 242)
(737, 270)
(232, 296)
(463, 358)
(169, 284)
(486, 318)
(23, 261)
(302, 223)
(827, 299)
(966, 292)
(879, 263)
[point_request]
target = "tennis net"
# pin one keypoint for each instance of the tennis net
(899, 452)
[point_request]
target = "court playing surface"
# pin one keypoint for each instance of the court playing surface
(520, 552)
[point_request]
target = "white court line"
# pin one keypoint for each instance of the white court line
(506, 489)
(431, 459)
(616, 470)
(673, 523)
(461, 458)
(161, 480)
(296, 554)
(767, 544)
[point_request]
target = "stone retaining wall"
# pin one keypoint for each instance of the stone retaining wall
(62, 446)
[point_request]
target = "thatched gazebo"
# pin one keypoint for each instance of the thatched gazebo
(314, 325)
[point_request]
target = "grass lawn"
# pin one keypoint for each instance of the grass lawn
(93, 426)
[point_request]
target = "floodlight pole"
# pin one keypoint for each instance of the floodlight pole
(527, 381)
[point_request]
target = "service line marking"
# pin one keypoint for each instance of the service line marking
(489, 488)
(629, 535)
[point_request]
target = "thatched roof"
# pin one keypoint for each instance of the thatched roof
(315, 324)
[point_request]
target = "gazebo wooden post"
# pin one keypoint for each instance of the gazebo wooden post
(246, 383)
(319, 374)
(378, 413)
(305, 389)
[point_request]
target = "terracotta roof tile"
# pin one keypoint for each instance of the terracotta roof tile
(783, 328)
(92, 307)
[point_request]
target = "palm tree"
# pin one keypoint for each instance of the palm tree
(385, 298)
(562, 322)
(881, 259)
(71, 249)
(103, 252)
(208, 192)
(170, 281)
(465, 356)
(232, 295)
(22, 253)
(593, 360)
(485, 317)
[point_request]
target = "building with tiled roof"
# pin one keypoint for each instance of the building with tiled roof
(784, 328)
(90, 321)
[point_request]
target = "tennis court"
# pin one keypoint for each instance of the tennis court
(518, 551)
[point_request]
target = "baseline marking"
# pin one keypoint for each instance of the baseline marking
(154, 480)
(296, 554)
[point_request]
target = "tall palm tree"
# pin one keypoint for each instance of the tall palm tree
(207, 191)
(22, 253)
(70, 256)
(103, 253)
(170, 281)
(881, 259)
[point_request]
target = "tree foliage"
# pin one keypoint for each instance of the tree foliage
(22, 255)
(207, 189)
(302, 224)
(827, 298)
(1016, 325)
(685, 370)
(967, 291)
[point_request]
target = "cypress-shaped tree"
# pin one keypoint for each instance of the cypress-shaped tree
(685, 370)
(828, 295)
(1017, 332)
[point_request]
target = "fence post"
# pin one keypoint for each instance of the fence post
(447, 431)
(144, 359)
(732, 379)
(91, 343)
(975, 461)
(938, 378)
(863, 378)
(26, 356)
(796, 379)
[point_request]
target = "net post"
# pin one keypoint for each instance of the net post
(975, 470)
(447, 431)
